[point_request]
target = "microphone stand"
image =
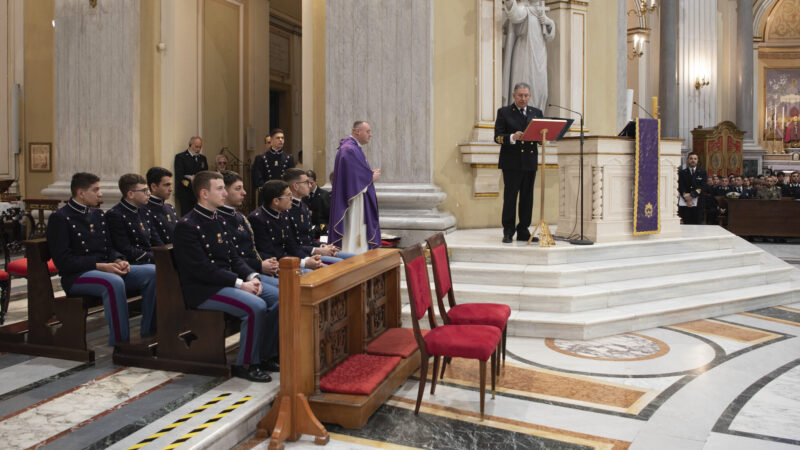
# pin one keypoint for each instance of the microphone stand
(582, 240)
(642, 108)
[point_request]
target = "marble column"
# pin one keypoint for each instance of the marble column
(96, 93)
(379, 68)
(744, 67)
(622, 63)
(668, 70)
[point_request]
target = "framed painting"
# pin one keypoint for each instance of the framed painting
(40, 156)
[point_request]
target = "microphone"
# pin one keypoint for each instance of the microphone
(566, 109)
(642, 108)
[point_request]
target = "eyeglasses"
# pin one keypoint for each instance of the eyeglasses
(143, 190)
(284, 196)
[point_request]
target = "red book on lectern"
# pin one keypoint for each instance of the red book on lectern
(555, 129)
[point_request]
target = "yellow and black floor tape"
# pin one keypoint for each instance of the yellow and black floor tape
(183, 419)
(207, 423)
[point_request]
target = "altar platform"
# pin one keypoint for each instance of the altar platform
(584, 292)
(728, 382)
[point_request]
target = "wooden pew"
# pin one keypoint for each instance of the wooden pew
(340, 308)
(772, 218)
(56, 327)
(188, 340)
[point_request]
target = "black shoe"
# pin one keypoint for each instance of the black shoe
(252, 373)
(270, 366)
(507, 239)
(523, 236)
(534, 239)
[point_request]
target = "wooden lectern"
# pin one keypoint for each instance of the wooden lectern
(543, 130)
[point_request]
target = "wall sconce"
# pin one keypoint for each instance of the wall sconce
(637, 49)
(700, 82)
(647, 6)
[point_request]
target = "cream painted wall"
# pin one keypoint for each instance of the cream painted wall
(149, 91)
(221, 102)
(601, 69)
(313, 86)
(37, 106)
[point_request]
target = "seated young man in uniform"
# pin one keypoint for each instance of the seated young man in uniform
(80, 244)
(213, 277)
(300, 219)
(162, 215)
(129, 222)
(273, 229)
(241, 232)
(319, 202)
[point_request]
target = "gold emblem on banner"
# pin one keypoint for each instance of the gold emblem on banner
(648, 210)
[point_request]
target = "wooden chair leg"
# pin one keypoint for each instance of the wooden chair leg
(436, 360)
(495, 356)
(423, 369)
(445, 360)
(496, 366)
(504, 345)
(483, 385)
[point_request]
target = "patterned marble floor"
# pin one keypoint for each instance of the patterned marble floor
(725, 383)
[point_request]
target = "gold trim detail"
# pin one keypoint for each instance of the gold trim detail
(487, 194)
(484, 166)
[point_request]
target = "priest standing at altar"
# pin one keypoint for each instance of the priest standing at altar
(354, 208)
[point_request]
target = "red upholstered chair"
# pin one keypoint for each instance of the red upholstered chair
(494, 314)
(451, 341)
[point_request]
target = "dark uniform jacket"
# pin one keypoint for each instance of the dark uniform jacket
(78, 239)
(790, 190)
(269, 165)
(163, 219)
(187, 164)
(241, 235)
(319, 202)
(274, 237)
(131, 234)
(300, 221)
(520, 155)
(694, 185)
(205, 258)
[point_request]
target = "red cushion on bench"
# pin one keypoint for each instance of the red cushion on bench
(3, 275)
(394, 342)
(19, 267)
(358, 374)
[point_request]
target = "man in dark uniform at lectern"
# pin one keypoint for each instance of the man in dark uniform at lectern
(518, 161)
(188, 163)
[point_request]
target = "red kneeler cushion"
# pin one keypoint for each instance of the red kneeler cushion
(19, 267)
(463, 341)
(358, 374)
(394, 342)
(493, 314)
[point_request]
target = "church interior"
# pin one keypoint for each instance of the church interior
(661, 333)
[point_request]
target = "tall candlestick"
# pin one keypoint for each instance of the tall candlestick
(655, 107)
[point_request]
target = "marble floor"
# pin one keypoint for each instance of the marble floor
(729, 382)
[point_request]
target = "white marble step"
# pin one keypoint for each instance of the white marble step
(640, 316)
(584, 273)
(564, 253)
(626, 318)
(619, 292)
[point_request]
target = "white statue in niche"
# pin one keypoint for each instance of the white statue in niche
(525, 30)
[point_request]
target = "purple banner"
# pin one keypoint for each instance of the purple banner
(646, 218)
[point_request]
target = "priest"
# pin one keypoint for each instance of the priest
(354, 208)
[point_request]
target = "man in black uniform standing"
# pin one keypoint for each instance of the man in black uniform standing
(518, 161)
(272, 163)
(188, 163)
(691, 182)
